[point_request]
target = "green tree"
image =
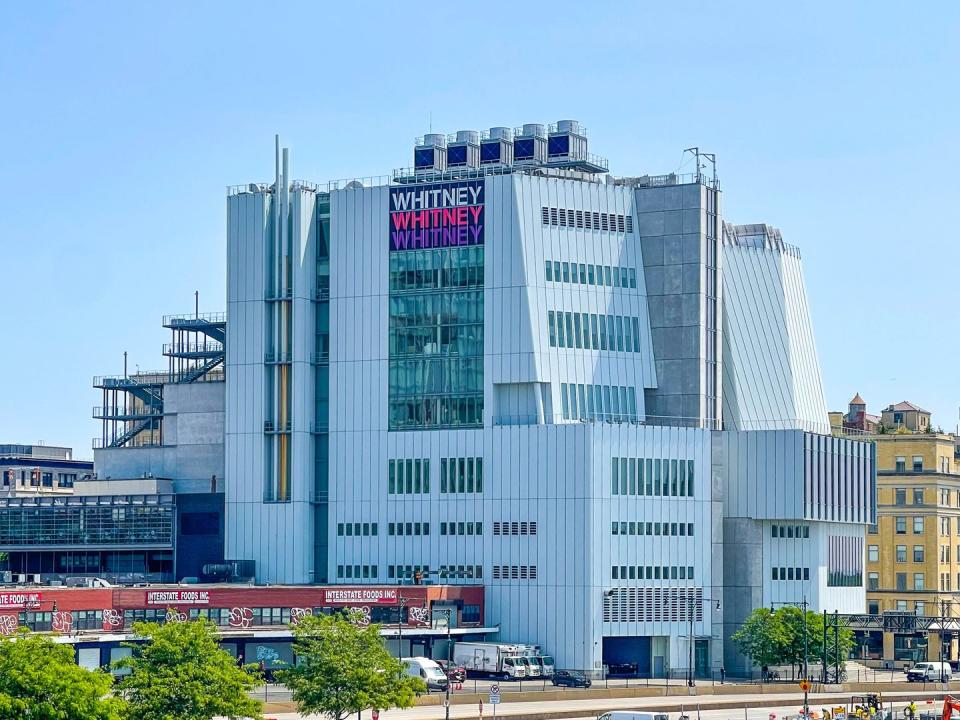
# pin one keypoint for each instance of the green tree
(343, 668)
(762, 638)
(792, 619)
(181, 673)
(40, 680)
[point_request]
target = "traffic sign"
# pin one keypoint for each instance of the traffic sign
(495, 689)
(494, 698)
(805, 685)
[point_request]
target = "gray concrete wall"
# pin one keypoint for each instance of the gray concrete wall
(193, 433)
(742, 584)
(671, 239)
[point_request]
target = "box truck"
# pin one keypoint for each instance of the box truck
(504, 661)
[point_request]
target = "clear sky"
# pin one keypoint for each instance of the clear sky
(122, 123)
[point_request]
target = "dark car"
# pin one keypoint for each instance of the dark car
(568, 678)
(454, 673)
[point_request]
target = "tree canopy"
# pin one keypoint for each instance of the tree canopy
(181, 673)
(776, 637)
(40, 680)
(343, 668)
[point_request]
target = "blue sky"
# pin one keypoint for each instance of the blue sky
(122, 123)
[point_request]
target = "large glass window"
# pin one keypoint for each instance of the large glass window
(436, 338)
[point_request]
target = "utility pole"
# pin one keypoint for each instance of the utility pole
(690, 681)
(447, 612)
(402, 602)
(803, 604)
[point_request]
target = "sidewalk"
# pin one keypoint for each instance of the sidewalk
(592, 707)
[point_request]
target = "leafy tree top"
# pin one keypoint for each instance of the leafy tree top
(181, 673)
(40, 680)
(343, 668)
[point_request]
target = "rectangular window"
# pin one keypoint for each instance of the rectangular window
(552, 328)
(901, 525)
(918, 463)
(901, 553)
(901, 464)
(900, 496)
(918, 581)
(918, 526)
(549, 271)
(901, 581)
(873, 581)
(873, 553)
(918, 496)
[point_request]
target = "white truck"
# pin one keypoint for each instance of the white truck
(543, 665)
(428, 671)
(504, 661)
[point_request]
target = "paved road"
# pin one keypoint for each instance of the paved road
(476, 685)
(781, 705)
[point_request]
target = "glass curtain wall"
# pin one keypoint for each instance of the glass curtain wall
(436, 338)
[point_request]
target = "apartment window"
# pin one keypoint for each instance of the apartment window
(900, 496)
(874, 530)
(901, 605)
(918, 553)
(873, 581)
(918, 496)
(901, 464)
(918, 526)
(873, 553)
(901, 581)
(901, 553)
(873, 607)
(918, 463)
(901, 523)
(918, 581)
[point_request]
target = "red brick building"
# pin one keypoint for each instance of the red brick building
(254, 621)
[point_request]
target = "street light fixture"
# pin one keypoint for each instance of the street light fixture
(447, 612)
(691, 681)
(803, 605)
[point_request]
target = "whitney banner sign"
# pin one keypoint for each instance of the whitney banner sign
(436, 216)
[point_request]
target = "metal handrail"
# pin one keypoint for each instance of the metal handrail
(206, 318)
(109, 411)
(209, 346)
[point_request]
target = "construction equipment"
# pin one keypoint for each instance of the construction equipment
(950, 704)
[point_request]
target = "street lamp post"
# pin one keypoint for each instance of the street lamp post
(691, 679)
(402, 602)
(803, 605)
(447, 612)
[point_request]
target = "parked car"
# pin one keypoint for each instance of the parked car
(455, 673)
(569, 678)
(930, 672)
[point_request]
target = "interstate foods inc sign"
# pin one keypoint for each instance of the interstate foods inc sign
(360, 596)
(436, 216)
(19, 600)
(178, 597)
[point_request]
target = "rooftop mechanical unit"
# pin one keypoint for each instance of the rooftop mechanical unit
(496, 147)
(463, 149)
(530, 144)
(430, 153)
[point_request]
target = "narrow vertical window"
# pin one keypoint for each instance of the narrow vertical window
(552, 328)
(443, 475)
(615, 478)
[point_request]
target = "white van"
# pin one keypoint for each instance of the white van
(428, 671)
(930, 672)
(632, 715)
